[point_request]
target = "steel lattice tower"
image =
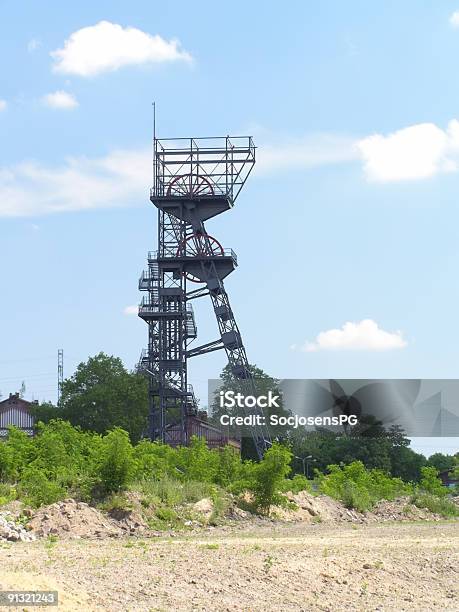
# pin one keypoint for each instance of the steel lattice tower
(193, 180)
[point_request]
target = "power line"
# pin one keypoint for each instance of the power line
(8, 378)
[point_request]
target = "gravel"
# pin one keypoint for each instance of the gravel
(12, 531)
(275, 567)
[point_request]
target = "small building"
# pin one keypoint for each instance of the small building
(446, 476)
(16, 411)
(197, 425)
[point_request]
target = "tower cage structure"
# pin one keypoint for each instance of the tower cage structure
(194, 179)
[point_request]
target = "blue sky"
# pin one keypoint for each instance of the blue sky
(346, 232)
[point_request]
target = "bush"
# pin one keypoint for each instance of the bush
(64, 461)
(197, 462)
(154, 460)
(296, 484)
(38, 490)
(229, 467)
(434, 503)
(118, 464)
(360, 488)
(430, 483)
(268, 478)
(7, 493)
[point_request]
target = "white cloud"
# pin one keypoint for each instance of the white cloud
(309, 152)
(118, 179)
(365, 335)
(131, 310)
(60, 99)
(3, 105)
(416, 152)
(122, 177)
(454, 19)
(107, 46)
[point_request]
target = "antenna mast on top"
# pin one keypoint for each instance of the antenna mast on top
(154, 140)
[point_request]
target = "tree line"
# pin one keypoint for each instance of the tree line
(102, 394)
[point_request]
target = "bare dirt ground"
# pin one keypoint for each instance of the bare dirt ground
(277, 566)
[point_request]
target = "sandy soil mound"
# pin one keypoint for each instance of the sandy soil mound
(71, 598)
(320, 508)
(130, 518)
(401, 510)
(72, 519)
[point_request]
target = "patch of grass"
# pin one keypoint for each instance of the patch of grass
(116, 501)
(50, 543)
(268, 562)
(316, 519)
(165, 518)
(221, 503)
(437, 505)
(171, 492)
(211, 546)
(7, 493)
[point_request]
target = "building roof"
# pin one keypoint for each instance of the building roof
(14, 398)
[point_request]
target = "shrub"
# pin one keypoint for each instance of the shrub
(360, 488)
(297, 483)
(197, 462)
(430, 483)
(118, 464)
(268, 477)
(355, 496)
(7, 493)
(18, 455)
(436, 504)
(229, 467)
(154, 460)
(38, 490)
(116, 502)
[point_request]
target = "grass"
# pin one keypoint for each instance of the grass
(438, 505)
(174, 492)
(116, 501)
(7, 493)
(168, 501)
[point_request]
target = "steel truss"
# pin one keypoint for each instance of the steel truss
(194, 180)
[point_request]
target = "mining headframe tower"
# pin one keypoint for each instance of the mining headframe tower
(194, 180)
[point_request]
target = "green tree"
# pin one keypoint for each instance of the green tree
(102, 395)
(406, 464)
(430, 483)
(441, 462)
(20, 453)
(263, 384)
(118, 464)
(197, 461)
(388, 450)
(269, 476)
(45, 412)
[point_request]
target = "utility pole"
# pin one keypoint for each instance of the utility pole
(60, 374)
